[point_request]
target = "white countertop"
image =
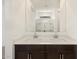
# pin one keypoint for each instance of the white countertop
(45, 38)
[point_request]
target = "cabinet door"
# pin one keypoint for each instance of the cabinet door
(20, 52)
(52, 52)
(37, 52)
(20, 55)
(52, 56)
(68, 52)
(37, 55)
(69, 56)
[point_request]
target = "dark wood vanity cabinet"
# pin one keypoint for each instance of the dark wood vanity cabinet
(45, 52)
(52, 52)
(20, 55)
(68, 51)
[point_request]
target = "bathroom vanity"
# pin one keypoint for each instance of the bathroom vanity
(45, 51)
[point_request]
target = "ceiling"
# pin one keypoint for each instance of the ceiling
(45, 4)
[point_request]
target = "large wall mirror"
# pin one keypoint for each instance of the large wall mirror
(44, 15)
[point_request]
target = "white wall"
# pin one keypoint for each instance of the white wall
(14, 19)
(3, 22)
(14, 24)
(71, 20)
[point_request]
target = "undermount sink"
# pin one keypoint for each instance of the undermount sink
(46, 39)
